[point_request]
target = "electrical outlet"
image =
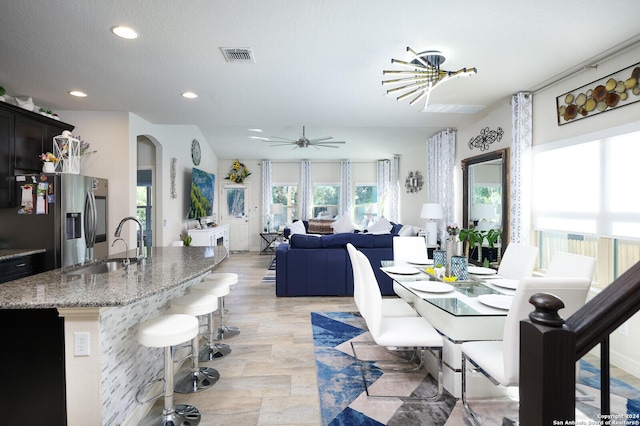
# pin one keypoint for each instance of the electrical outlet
(81, 343)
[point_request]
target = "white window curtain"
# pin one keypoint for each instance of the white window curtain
(441, 153)
(346, 194)
(394, 190)
(267, 196)
(383, 174)
(305, 192)
(520, 169)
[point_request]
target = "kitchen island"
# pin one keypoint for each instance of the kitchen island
(101, 386)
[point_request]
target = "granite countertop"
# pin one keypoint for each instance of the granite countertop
(166, 268)
(10, 254)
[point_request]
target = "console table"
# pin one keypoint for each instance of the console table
(210, 237)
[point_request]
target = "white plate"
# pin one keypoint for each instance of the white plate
(420, 261)
(505, 283)
(431, 286)
(479, 270)
(500, 301)
(401, 270)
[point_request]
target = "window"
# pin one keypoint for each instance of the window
(287, 195)
(366, 204)
(583, 203)
(325, 200)
(144, 203)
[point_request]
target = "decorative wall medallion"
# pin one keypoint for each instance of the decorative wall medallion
(613, 91)
(174, 193)
(486, 138)
(414, 182)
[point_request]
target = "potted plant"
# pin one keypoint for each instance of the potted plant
(48, 162)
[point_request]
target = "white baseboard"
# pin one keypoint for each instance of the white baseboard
(621, 361)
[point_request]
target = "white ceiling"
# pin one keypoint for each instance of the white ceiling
(318, 63)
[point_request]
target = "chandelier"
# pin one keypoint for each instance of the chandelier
(423, 75)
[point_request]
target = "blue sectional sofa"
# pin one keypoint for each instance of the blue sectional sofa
(312, 265)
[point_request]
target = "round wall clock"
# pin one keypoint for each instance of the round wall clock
(195, 152)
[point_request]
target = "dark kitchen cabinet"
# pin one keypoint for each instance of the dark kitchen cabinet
(24, 135)
(22, 266)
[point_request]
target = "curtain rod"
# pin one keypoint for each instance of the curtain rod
(588, 64)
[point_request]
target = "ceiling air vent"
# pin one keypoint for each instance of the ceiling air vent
(238, 54)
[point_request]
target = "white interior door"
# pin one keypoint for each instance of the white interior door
(235, 212)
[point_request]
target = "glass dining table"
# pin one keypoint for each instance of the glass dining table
(460, 311)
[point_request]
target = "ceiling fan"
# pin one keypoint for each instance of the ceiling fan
(305, 142)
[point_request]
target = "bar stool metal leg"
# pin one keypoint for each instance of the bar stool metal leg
(224, 332)
(199, 378)
(213, 350)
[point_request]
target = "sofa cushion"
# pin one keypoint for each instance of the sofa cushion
(341, 240)
(385, 240)
(305, 241)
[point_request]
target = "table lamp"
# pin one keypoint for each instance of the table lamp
(275, 209)
(433, 213)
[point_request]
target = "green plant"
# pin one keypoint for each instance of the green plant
(2, 91)
(186, 240)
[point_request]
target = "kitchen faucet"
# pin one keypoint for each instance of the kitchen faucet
(140, 253)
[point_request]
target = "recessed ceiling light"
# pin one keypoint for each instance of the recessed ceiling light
(78, 94)
(255, 130)
(189, 95)
(124, 32)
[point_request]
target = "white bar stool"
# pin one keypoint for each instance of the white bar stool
(231, 279)
(198, 378)
(167, 331)
(213, 350)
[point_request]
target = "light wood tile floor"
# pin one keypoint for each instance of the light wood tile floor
(270, 376)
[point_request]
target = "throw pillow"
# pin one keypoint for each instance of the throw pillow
(320, 226)
(407, 231)
(297, 227)
(343, 225)
(382, 226)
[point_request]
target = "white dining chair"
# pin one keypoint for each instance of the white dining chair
(406, 249)
(413, 334)
(391, 307)
(565, 264)
(518, 261)
(500, 360)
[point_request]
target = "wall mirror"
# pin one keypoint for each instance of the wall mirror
(486, 192)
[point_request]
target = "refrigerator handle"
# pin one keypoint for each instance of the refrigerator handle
(90, 220)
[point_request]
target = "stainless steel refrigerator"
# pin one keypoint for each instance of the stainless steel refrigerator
(65, 214)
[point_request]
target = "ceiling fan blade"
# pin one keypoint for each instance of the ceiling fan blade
(324, 146)
(329, 142)
(284, 144)
(284, 139)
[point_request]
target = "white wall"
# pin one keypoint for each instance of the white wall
(624, 351)
(114, 135)
(107, 132)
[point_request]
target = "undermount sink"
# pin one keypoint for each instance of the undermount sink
(100, 267)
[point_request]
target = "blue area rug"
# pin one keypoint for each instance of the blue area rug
(269, 278)
(343, 400)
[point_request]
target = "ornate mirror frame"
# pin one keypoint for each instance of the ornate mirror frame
(503, 156)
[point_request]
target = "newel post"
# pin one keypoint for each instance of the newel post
(547, 365)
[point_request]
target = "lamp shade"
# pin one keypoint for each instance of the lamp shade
(431, 211)
(276, 208)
